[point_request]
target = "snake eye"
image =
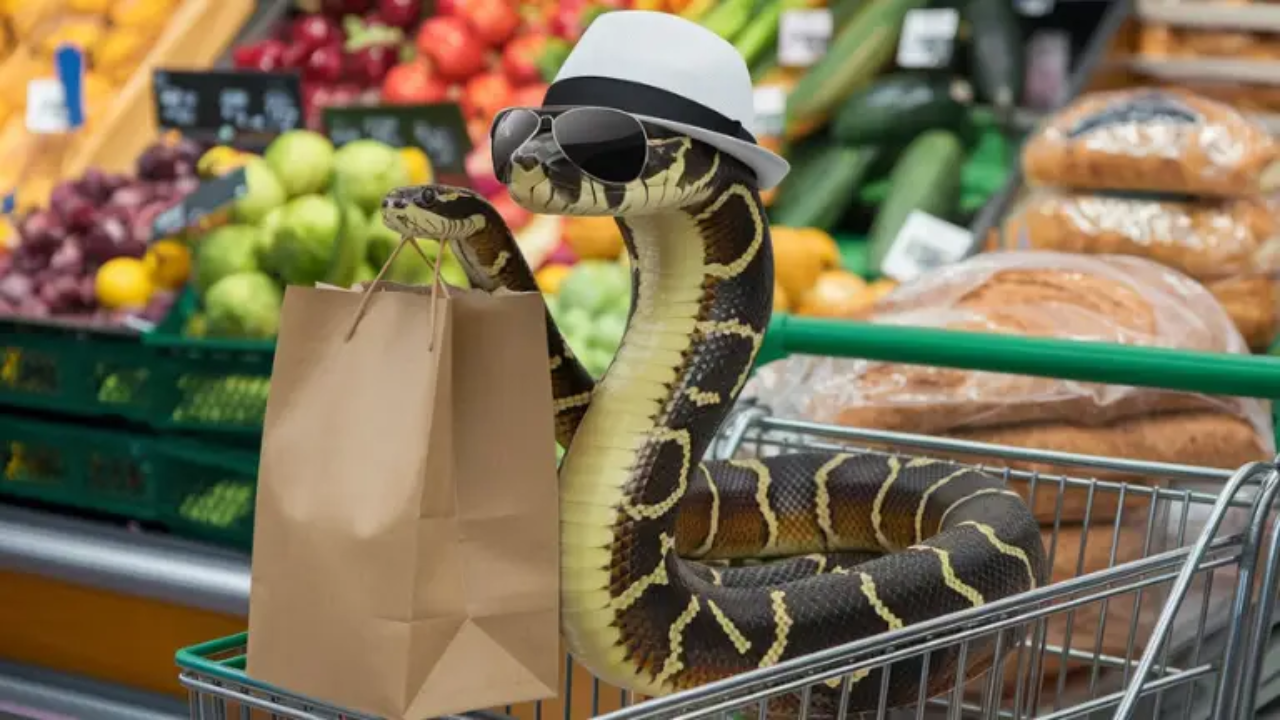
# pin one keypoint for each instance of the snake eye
(426, 197)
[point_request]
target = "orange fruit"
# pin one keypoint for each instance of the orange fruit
(837, 294)
(593, 238)
(169, 264)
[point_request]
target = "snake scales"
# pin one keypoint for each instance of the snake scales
(859, 544)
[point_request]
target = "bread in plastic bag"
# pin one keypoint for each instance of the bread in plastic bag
(1155, 140)
(1119, 299)
(1230, 245)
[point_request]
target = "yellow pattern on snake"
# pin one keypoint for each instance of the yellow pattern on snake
(842, 547)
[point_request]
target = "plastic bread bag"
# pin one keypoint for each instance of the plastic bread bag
(1101, 298)
(1204, 238)
(1154, 140)
(1232, 246)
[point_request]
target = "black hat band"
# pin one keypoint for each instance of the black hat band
(640, 99)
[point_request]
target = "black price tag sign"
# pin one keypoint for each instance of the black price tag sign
(204, 201)
(440, 131)
(226, 105)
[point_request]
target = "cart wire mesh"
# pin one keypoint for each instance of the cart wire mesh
(1163, 586)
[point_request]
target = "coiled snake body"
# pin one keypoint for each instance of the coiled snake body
(860, 544)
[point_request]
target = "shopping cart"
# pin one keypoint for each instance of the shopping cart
(1165, 576)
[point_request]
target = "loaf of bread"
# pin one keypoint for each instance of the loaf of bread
(1153, 140)
(1232, 246)
(1124, 300)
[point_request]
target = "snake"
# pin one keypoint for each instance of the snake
(655, 595)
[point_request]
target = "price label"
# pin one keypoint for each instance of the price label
(803, 36)
(47, 107)
(250, 107)
(438, 130)
(771, 110)
(207, 199)
(928, 38)
(1034, 8)
(924, 243)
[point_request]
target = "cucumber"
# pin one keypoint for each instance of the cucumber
(760, 37)
(819, 190)
(996, 52)
(926, 178)
(856, 54)
(728, 18)
(899, 107)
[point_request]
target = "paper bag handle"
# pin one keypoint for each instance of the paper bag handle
(437, 287)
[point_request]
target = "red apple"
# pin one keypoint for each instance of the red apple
(315, 31)
(413, 83)
(495, 21)
(479, 167)
(368, 66)
(452, 46)
(403, 14)
(324, 64)
(485, 94)
(520, 58)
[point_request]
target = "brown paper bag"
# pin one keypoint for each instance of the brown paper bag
(405, 559)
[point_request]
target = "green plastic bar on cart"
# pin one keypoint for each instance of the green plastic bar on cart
(1256, 376)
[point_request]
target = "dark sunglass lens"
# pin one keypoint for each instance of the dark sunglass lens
(511, 129)
(605, 144)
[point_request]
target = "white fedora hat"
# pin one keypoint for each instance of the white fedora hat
(670, 72)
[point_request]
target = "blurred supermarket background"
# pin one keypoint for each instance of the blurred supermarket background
(168, 166)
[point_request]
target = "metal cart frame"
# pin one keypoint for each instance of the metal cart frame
(1208, 564)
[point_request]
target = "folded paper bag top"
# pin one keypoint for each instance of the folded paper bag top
(406, 557)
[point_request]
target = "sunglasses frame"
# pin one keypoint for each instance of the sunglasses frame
(554, 114)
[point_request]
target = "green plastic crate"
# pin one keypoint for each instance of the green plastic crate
(206, 491)
(78, 467)
(78, 371)
(208, 385)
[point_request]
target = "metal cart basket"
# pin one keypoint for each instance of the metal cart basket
(1164, 576)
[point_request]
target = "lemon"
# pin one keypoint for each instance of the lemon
(123, 282)
(550, 277)
(169, 264)
(418, 164)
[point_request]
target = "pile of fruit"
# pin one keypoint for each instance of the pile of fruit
(311, 214)
(115, 35)
(85, 258)
(483, 54)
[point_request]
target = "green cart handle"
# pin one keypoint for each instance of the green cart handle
(1255, 376)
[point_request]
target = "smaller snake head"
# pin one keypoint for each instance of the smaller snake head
(438, 212)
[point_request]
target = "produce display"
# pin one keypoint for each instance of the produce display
(311, 214)
(116, 38)
(87, 258)
(483, 54)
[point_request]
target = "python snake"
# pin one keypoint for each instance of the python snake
(859, 543)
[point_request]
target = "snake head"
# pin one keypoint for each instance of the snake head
(677, 171)
(440, 212)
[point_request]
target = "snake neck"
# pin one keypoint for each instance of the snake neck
(701, 301)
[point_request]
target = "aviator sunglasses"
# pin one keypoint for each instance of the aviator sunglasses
(608, 145)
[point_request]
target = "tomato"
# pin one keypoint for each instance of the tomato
(486, 94)
(412, 83)
(452, 45)
(520, 58)
(529, 95)
(495, 21)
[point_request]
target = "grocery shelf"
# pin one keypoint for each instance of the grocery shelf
(128, 562)
(28, 692)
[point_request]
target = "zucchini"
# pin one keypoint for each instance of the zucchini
(760, 36)
(856, 54)
(996, 52)
(926, 178)
(820, 188)
(898, 107)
